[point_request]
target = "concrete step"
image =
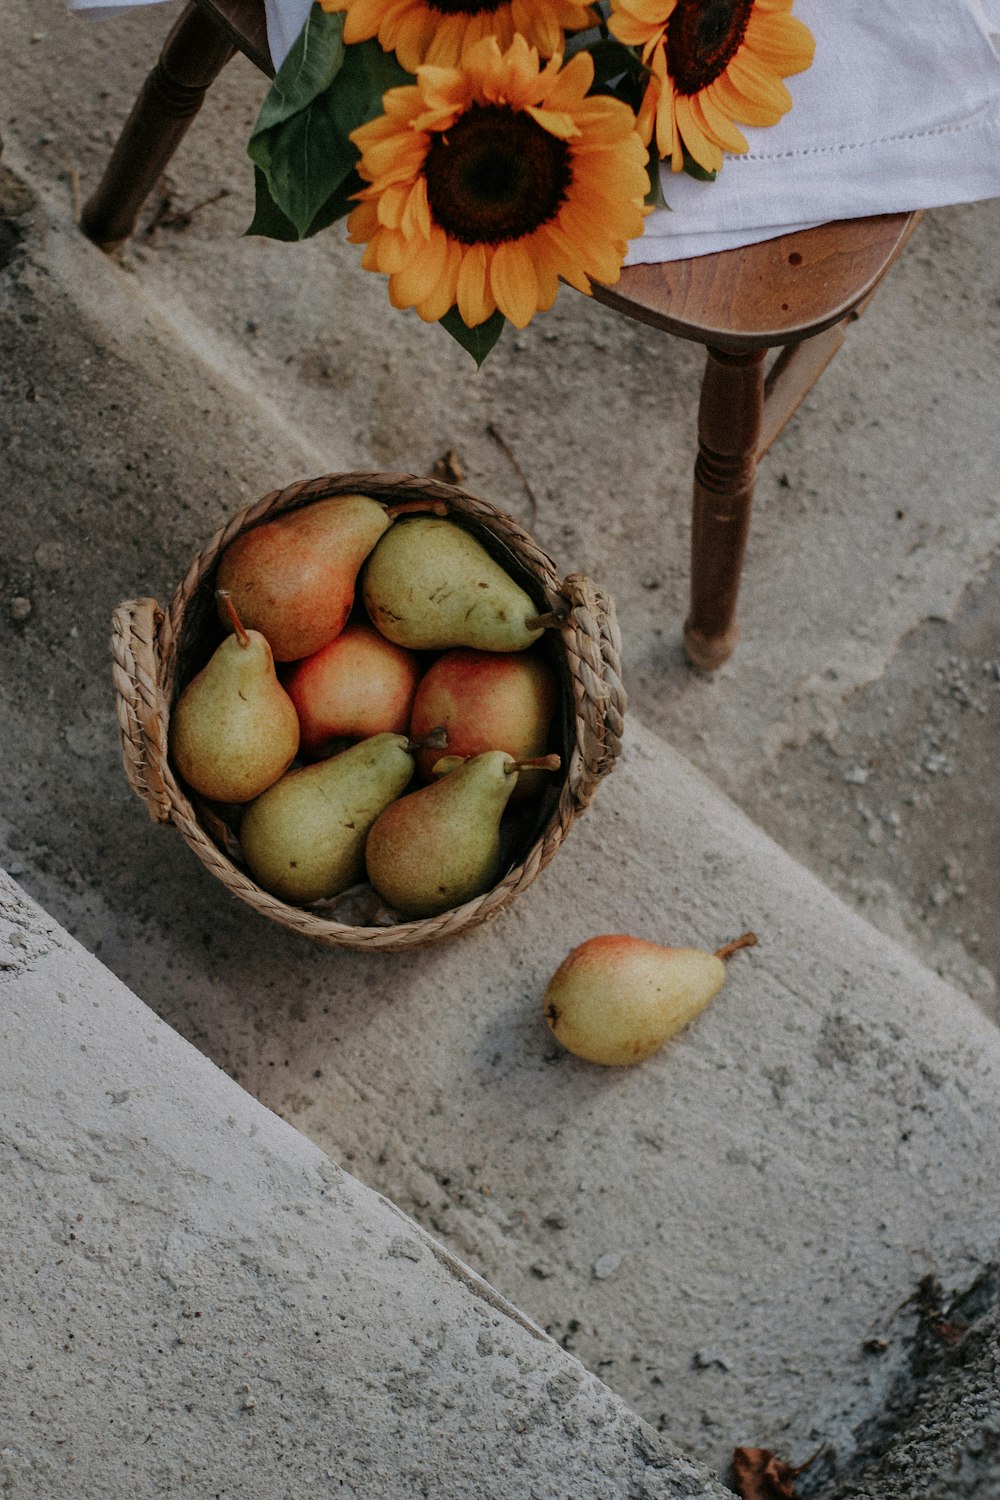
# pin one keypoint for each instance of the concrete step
(197, 1299)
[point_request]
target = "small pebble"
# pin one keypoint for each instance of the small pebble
(704, 1359)
(606, 1265)
(20, 608)
(402, 1248)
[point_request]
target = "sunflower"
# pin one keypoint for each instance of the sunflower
(442, 31)
(712, 62)
(490, 182)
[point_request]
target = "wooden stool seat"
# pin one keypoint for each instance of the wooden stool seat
(797, 293)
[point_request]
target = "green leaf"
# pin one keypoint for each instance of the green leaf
(267, 218)
(308, 71)
(479, 340)
(269, 221)
(296, 142)
(339, 203)
(301, 143)
(366, 75)
(655, 197)
(692, 168)
(306, 160)
(618, 71)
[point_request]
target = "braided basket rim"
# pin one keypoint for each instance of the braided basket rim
(148, 643)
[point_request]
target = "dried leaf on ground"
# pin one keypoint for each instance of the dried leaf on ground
(759, 1475)
(448, 468)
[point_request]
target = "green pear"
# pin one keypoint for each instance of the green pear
(293, 578)
(440, 846)
(234, 729)
(615, 999)
(304, 839)
(430, 585)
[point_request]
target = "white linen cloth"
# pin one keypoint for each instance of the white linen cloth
(900, 110)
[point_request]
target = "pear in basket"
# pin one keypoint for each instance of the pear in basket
(440, 846)
(357, 685)
(431, 585)
(488, 700)
(293, 578)
(234, 729)
(304, 839)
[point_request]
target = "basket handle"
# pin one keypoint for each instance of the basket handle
(593, 654)
(135, 647)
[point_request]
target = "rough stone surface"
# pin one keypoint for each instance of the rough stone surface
(198, 1301)
(939, 1436)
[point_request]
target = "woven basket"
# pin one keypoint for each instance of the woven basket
(156, 653)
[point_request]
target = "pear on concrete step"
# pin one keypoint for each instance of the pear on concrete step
(430, 585)
(294, 578)
(234, 729)
(304, 839)
(615, 999)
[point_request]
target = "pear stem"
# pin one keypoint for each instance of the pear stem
(538, 763)
(434, 739)
(414, 507)
(225, 601)
(552, 619)
(748, 940)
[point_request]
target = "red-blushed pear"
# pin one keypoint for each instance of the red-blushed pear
(357, 685)
(234, 730)
(440, 846)
(293, 578)
(487, 700)
(616, 999)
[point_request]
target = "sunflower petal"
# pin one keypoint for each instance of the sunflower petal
(567, 87)
(556, 122)
(717, 124)
(737, 106)
(412, 37)
(442, 297)
(473, 295)
(653, 12)
(514, 283)
(757, 82)
(786, 43)
(420, 275)
(699, 143)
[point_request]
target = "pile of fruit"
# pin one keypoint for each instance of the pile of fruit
(378, 707)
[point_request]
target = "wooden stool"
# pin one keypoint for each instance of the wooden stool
(798, 292)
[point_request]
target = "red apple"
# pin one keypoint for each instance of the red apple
(487, 700)
(357, 685)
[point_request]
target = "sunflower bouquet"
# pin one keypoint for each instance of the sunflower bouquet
(482, 151)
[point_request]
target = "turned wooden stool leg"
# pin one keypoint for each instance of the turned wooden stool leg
(729, 420)
(193, 55)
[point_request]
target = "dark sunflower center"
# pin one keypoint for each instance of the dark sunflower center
(495, 175)
(466, 7)
(703, 36)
